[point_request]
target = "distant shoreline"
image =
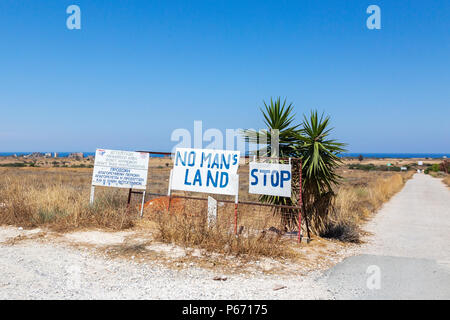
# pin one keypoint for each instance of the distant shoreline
(366, 155)
(396, 155)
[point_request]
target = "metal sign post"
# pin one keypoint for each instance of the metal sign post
(131, 191)
(120, 169)
(169, 191)
(142, 203)
(300, 204)
(236, 201)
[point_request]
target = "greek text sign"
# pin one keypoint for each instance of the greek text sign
(270, 179)
(204, 170)
(120, 169)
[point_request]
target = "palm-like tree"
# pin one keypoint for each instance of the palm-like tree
(309, 141)
(278, 118)
(320, 161)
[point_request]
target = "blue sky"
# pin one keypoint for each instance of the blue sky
(137, 70)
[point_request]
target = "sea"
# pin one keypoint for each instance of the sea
(348, 155)
(397, 155)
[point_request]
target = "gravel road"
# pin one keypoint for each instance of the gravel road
(409, 249)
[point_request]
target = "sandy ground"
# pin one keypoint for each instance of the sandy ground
(33, 267)
(407, 256)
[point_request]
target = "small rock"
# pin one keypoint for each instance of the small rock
(279, 287)
(220, 278)
(20, 228)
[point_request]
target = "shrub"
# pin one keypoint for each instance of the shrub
(372, 167)
(346, 231)
(444, 166)
(18, 165)
(435, 167)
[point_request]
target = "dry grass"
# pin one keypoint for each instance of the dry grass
(190, 229)
(356, 201)
(58, 200)
(447, 180)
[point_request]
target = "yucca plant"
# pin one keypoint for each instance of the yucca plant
(309, 141)
(278, 118)
(320, 160)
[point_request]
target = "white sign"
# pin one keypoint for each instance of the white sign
(120, 169)
(212, 211)
(204, 170)
(270, 179)
(420, 163)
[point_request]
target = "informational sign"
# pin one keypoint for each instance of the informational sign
(270, 179)
(120, 169)
(204, 170)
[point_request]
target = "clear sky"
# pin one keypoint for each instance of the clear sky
(137, 70)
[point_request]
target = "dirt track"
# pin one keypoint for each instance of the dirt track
(410, 247)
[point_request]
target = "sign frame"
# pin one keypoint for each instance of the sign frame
(123, 167)
(202, 171)
(268, 187)
(234, 169)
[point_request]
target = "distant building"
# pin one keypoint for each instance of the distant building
(48, 155)
(55, 155)
(76, 155)
(34, 155)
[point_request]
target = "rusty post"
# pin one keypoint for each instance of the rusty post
(307, 226)
(129, 197)
(300, 204)
(168, 204)
(169, 191)
(129, 201)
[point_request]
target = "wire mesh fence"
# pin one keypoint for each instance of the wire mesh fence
(250, 214)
